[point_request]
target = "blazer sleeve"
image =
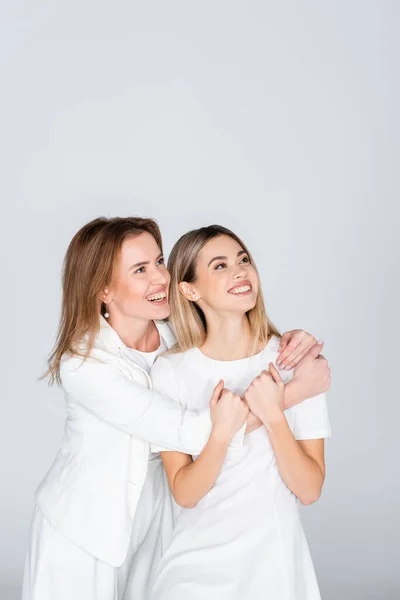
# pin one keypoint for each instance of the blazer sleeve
(165, 381)
(104, 390)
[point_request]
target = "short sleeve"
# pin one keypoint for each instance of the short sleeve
(310, 420)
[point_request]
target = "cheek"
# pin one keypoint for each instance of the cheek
(253, 276)
(216, 290)
(131, 289)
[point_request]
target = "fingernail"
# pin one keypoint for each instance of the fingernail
(320, 342)
(278, 362)
(281, 367)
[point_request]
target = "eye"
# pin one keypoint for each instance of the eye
(160, 261)
(245, 259)
(217, 268)
(141, 270)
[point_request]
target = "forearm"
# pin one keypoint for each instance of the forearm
(193, 481)
(300, 472)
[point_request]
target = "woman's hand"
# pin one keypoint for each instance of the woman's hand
(264, 396)
(311, 377)
(293, 347)
(228, 413)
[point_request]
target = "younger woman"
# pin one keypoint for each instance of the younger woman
(238, 533)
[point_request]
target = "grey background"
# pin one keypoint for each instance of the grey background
(277, 119)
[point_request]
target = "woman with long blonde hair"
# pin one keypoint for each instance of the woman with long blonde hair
(98, 525)
(237, 532)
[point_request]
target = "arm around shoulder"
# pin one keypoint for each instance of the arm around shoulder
(104, 390)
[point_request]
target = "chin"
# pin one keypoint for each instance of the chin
(159, 314)
(240, 309)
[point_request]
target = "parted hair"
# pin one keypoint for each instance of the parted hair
(187, 318)
(88, 269)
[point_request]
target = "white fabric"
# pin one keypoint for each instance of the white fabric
(57, 569)
(145, 360)
(244, 539)
(112, 414)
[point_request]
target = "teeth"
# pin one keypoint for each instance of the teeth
(240, 290)
(159, 296)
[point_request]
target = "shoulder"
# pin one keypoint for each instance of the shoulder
(99, 366)
(270, 354)
(170, 362)
(273, 343)
(168, 371)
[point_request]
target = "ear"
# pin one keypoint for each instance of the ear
(188, 291)
(105, 296)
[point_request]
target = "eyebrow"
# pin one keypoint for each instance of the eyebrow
(225, 257)
(145, 262)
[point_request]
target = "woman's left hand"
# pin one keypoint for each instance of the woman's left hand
(293, 347)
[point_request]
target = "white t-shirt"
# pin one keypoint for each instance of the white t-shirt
(146, 360)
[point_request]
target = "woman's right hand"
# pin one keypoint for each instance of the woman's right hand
(264, 396)
(228, 413)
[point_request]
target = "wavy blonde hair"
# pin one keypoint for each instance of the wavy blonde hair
(187, 317)
(88, 269)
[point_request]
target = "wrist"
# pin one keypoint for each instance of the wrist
(291, 395)
(220, 436)
(275, 416)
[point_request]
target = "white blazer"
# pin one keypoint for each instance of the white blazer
(92, 489)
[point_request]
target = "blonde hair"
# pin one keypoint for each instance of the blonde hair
(88, 269)
(187, 318)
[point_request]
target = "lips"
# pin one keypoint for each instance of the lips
(244, 288)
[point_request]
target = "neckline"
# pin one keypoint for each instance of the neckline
(147, 353)
(236, 360)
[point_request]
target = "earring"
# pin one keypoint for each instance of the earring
(106, 314)
(195, 298)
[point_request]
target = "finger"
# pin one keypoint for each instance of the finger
(217, 392)
(313, 352)
(293, 352)
(285, 339)
(297, 360)
(295, 340)
(274, 373)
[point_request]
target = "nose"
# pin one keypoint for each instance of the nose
(159, 277)
(239, 272)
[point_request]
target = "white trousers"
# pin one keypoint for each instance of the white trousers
(57, 569)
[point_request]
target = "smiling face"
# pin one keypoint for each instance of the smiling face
(226, 281)
(140, 282)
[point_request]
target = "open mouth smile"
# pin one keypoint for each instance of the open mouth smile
(241, 290)
(158, 298)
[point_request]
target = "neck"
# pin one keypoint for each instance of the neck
(228, 337)
(136, 333)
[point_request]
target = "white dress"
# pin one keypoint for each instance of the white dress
(244, 539)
